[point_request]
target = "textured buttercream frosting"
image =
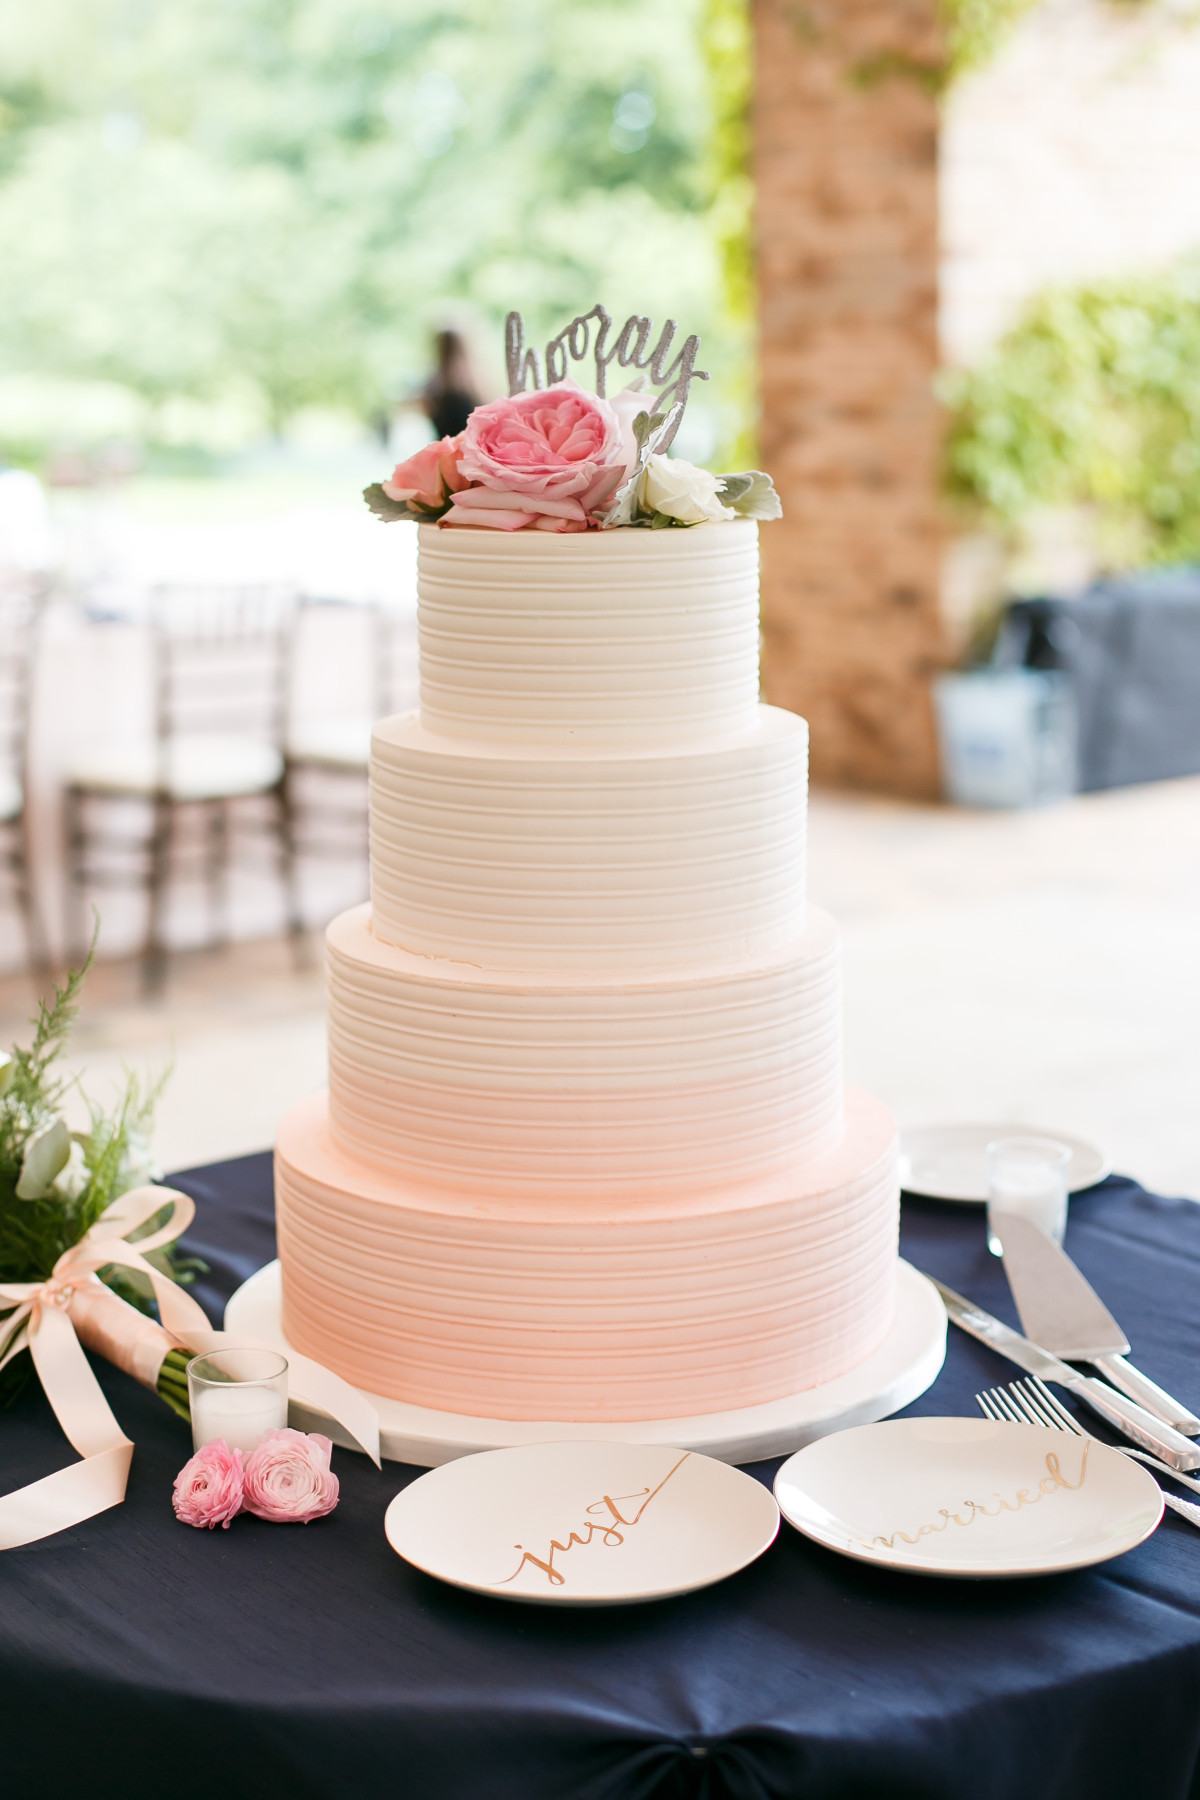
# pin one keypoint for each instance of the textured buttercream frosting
(613, 637)
(499, 1082)
(642, 1309)
(544, 859)
(585, 1154)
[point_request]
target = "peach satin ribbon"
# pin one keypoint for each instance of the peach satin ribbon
(42, 1322)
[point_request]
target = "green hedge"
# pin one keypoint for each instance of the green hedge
(1092, 400)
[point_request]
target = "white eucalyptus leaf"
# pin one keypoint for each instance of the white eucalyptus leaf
(8, 1069)
(46, 1155)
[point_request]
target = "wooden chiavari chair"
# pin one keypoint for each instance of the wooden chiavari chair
(21, 602)
(221, 657)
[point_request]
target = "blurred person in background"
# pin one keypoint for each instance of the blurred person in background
(452, 392)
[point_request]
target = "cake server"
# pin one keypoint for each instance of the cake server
(1062, 1312)
(1123, 1414)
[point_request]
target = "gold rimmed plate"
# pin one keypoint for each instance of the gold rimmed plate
(581, 1523)
(968, 1497)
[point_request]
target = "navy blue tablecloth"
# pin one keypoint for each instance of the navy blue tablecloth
(142, 1659)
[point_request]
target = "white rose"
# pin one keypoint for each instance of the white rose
(682, 491)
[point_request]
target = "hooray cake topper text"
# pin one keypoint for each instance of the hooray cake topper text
(554, 457)
(630, 349)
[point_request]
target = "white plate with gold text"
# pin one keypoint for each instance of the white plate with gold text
(582, 1524)
(968, 1497)
(949, 1162)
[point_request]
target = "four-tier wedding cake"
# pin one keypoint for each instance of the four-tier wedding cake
(586, 1154)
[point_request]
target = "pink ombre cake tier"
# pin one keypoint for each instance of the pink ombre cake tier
(667, 1307)
(583, 1086)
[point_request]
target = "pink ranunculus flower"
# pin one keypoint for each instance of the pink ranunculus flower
(288, 1477)
(208, 1489)
(429, 477)
(534, 453)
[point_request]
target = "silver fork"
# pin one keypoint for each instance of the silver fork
(1031, 1403)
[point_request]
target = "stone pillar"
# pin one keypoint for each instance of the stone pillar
(845, 162)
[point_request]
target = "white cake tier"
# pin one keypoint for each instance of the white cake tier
(494, 1082)
(642, 1310)
(550, 860)
(624, 638)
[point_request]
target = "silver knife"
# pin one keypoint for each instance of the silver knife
(1062, 1312)
(1123, 1414)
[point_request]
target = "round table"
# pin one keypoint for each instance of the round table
(139, 1658)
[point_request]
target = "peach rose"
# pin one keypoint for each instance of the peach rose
(429, 477)
(548, 459)
(208, 1489)
(288, 1477)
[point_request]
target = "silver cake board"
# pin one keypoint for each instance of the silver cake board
(904, 1365)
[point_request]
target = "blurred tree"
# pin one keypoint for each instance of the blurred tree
(270, 199)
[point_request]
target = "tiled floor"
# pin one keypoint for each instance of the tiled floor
(1042, 967)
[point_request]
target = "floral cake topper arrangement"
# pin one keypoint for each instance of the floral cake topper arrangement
(557, 457)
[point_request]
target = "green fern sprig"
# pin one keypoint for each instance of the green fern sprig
(33, 1088)
(107, 1160)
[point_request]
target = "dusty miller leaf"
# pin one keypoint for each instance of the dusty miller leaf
(649, 431)
(751, 494)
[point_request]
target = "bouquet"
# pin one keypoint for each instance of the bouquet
(57, 1184)
(87, 1254)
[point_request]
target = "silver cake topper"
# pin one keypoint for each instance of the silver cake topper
(629, 350)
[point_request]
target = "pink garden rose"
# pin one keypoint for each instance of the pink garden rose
(288, 1477)
(550, 459)
(429, 477)
(208, 1489)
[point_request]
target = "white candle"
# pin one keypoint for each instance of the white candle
(1028, 1176)
(1037, 1194)
(238, 1412)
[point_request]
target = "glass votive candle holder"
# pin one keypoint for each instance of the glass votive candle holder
(238, 1395)
(1028, 1175)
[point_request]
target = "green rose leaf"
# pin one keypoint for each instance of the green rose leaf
(47, 1153)
(384, 507)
